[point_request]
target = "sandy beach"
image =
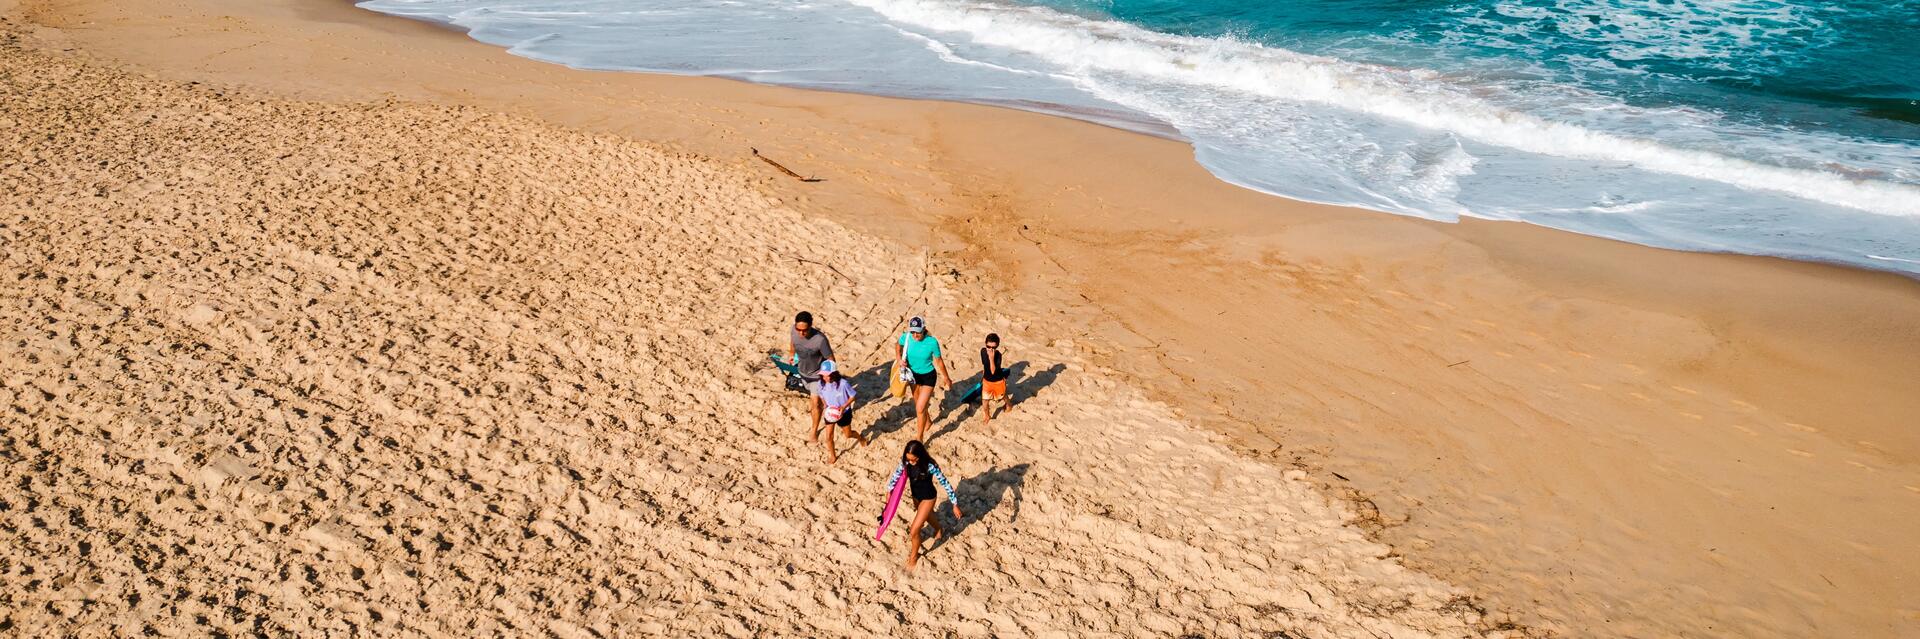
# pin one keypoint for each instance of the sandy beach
(325, 322)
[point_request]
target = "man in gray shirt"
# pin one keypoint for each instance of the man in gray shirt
(807, 347)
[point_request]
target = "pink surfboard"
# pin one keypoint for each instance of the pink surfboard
(893, 505)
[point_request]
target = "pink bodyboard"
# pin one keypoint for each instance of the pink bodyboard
(893, 505)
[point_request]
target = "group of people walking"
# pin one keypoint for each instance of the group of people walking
(919, 366)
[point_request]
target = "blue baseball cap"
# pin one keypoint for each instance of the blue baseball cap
(917, 325)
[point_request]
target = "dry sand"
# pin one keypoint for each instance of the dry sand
(286, 367)
(1595, 439)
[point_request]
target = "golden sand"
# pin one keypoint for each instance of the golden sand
(320, 320)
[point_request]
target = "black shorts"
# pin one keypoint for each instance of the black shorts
(926, 379)
(846, 418)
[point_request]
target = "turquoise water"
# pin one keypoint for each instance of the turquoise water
(1850, 66)
(1772, 127)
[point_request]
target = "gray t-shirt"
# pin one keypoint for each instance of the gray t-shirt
(812, 349)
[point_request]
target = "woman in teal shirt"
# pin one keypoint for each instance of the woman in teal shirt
(919, 356)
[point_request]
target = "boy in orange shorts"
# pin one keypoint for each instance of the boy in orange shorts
(993, 378)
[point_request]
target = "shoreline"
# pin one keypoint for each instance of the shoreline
(1846, 332)
(1147, 125)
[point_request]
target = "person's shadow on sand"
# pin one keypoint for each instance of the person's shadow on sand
(983, 493)
(872, 385)
(1020, 388)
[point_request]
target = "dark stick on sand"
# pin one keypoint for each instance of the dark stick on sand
(830, 267)
(783, 169)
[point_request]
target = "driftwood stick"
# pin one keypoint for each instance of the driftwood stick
(830, 267)
(783, 168)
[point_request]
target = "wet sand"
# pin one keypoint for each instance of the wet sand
(1585, 437)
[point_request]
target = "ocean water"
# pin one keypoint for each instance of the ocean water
(1772, 127)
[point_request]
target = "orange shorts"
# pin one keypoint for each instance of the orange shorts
(994, 390)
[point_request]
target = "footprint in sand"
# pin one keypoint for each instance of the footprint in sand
(1686, 390)
(1802, 427)
(1695, 416)
(1799, 452)
(1638, 396)
(1744, 429)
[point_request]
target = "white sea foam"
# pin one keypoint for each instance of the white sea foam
(1738, 35)
(946, 53)
(1490, 139)
(1416, 97)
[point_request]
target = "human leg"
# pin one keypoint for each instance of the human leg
(814, 405)
(921, 395)
(923, 511)
(833, 454)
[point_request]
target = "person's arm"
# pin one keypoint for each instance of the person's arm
(793, 350)
(852, 391)
(900, 349)
(826, 347)
(895, 481)
(953, 498)
(940, 365)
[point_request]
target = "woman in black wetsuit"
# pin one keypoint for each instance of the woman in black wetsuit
(920, 472)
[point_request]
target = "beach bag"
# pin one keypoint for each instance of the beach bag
(898, 389)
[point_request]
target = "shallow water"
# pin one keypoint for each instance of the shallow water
(1771, 127)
